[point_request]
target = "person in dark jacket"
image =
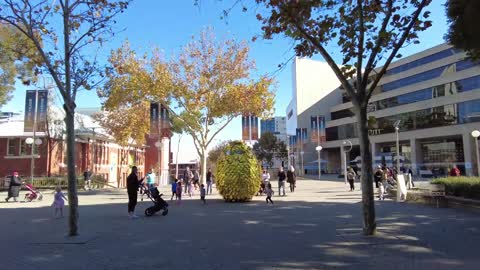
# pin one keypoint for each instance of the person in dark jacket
(14, 187)
(281, 181)
(132, 188)
(291, 178)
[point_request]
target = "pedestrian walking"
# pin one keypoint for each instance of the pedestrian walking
(265, 177)
(202, 194)
(190, 188)
(87, 177)
(179, 192)
(187, 178)
(383, 183)
(378, 175)
(292, 178)
(58, 202)
(351, 178)
(174, 189)
(196, 179)
(209, 181)
(133, 183)
(14, 186)
(269, 192)
(455, 172)
(281, 181)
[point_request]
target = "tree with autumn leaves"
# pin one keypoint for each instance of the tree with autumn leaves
(205, 87)
(367, 36)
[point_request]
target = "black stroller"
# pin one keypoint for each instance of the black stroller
(159, 203)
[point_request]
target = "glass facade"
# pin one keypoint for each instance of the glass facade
(422, 61)
(267, 125)
(439, 116)
(441, 154)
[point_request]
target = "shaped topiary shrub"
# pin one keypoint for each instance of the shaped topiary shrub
(238, 173)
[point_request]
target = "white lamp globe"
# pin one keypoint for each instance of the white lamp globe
(475, 133)
(318, 148)
(29, 141)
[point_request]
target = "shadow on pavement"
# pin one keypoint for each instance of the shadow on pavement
(254, 235)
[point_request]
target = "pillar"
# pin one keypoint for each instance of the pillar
(165, 161)
(416, 155)
(468, 153)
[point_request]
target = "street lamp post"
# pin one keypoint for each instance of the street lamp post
(301, 155)
(475, 135)
(319, 148)
(397, 128)
(345, 157)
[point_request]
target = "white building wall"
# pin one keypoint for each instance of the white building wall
(312, 81)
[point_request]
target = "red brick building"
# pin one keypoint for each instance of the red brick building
(95, 151)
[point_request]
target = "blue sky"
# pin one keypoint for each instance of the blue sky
(170, 24)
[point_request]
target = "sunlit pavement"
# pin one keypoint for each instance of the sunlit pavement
(317, 227)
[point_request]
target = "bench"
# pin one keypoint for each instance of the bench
(434, 192)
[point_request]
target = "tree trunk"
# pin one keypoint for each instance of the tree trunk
(368, 207)
(72, 179)
(203, 159)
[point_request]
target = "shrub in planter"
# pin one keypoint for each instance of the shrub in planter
(468, 187)
(237, 173)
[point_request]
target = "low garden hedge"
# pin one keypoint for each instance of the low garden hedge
(468, 187)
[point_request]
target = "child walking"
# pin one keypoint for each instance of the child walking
(58, 202)
(190, 188)
(202, 193)
(174, 189)
(269, 192)
(179, 192)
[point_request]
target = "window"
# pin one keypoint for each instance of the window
(23, 147)
(420, 77)
(465, 64)
(11, 147)
(342, 114)
(422, 61)
(290, 113)
(469, 111)
(468, 84)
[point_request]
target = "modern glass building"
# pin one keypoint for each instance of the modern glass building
(275, 125)
(436, 96)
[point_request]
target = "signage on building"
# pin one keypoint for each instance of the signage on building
(35, 118)
(317, 125)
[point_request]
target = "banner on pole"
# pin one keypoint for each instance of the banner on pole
(245, 127)
(304, 135)
(292, 141)
(317, 125)
(30, 108)
(254, 120)
(154, 119)
(42, 103)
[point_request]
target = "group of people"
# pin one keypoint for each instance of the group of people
(187, 184)
(266, 186)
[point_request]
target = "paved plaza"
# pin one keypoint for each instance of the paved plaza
(317, 227)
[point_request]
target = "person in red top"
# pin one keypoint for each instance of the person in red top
(455, 172)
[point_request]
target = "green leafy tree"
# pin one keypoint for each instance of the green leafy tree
(269, 147)
(364, 34)
(266, 147)
(464, 31)
(65, 33)
(18, 60)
